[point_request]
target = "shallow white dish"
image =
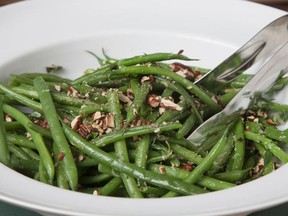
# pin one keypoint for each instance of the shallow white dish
(35, 34)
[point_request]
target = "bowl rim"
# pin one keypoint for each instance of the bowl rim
(220, 202)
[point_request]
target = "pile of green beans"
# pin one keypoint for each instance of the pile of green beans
(121, 129)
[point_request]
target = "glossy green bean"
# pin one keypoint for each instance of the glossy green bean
(110, 187)
(128, 168)
(18, 152)
(268, 130)
(4, 153)
(93, 179)
(37, 138)
(268, 144)
(20, 140)
(190, 86)
(21, 99)
(57, 133)
(32, 154)
(205, 164)
(139, 99)
(134, 131)
(178, 88)
(238, 156)
(120, 146)
(142, 59)
(206, 182)
(60, 173)
(43, 131)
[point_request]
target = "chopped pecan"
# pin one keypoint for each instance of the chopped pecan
(97, 115)
(42, 123)
(169, 104)
(153, 100)
(60, 156)
(149, 78)
(186, 166)
(57, 88)
(124, 99)
(72, 92)
(76, 122)
(130, 94)
(162, 169)
(110, 120)
(271, 122)
(85, 129)
(161, 110)
(8, 118)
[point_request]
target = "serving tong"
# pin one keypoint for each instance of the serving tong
(266, 56)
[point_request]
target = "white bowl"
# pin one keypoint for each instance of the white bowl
(35, 34)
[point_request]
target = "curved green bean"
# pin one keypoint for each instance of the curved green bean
(57, 131)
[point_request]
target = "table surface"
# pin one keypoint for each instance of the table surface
(280, 210)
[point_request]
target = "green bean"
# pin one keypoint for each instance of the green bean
(226, 98)
(205, 164)
(22, 164)
(4, 153)
(268, 130)
(33, 155)
(111, 186)
(134, 84)
(108, 170)
(56, 131)
(182, 142)
(58, 97)
(128, 168)
(240, 81)
(180, 117)
(142, 59)
(88, 109)
(94, 179)
(138, 101)
(37, 138)
(60, 173)
(20, 140)
(12, 126)
(18, 152)
(21, 99)
(152, 192)
(142, 151)
(167, 93)
(269, 167)
(187, 126)
(268, 144)
(186, 154)
(178, 88)
(120, 146)
(17, 80)
(222, 159)
(191, 87)
(234, 176)
(270, 105)
(47, 77)
(238, 156)
(134, 131)
(87, 162)
(207, 182)
(43, 131)
(174, 115)
(42, 174)
(150, 58)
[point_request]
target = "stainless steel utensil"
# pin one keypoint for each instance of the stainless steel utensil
(250, 57)
(260, 83)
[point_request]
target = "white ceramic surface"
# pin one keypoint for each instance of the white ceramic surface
(34, 34)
